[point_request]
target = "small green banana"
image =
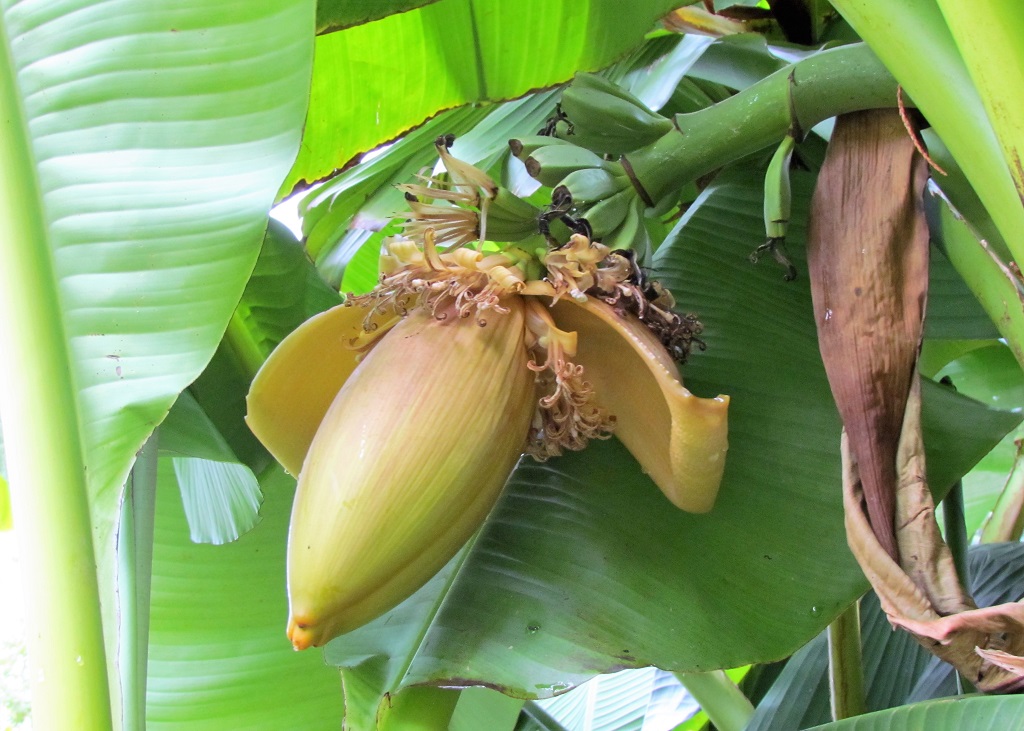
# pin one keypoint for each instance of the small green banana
(508, 206)
(606, 118)
(777, 195)
(523, 147)
(509, 217)
(502, 229)
(606, 215)
(552, 163)
(592, 184)
(778, 201)
(629, 231)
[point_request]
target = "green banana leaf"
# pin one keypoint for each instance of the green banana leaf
(332, 15)
(552, 590)
(160, 135)
(218, 655)
(897, 669)
(947, 714)
(221, 496)
(447, 54)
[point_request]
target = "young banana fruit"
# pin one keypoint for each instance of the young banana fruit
(606, 118)
(552, 163)
(778, 200)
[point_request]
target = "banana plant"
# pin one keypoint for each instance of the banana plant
(144, 286)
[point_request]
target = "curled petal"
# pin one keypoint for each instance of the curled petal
(293, 390)
(679, 439)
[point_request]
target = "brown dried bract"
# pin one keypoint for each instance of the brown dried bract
(868, 262)
(923, 594)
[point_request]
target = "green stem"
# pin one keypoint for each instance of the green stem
(954, 525)
(417, 709)
(829, 83)
(1006, 523)
(246, 351)
(134, 582)
(955, 528)
(845, 666)
(67, 666)
(720, 698)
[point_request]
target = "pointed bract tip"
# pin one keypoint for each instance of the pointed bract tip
(301, 634)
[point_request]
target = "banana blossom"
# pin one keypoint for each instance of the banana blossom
(403, 411)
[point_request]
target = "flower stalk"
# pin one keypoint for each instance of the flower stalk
(827, 84)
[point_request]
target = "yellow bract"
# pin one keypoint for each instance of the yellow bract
(679, 439)
(405, 465)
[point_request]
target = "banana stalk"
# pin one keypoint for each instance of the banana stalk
(832, 82)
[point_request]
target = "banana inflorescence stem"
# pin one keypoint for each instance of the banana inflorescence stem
(800, 96)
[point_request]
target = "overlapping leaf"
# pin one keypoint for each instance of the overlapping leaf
(947, 714)
(332, 15)
(205, 427)
(221, 496)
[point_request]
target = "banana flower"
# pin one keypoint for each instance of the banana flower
(404, 410)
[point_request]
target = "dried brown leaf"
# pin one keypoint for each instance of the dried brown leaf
(985, 645)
